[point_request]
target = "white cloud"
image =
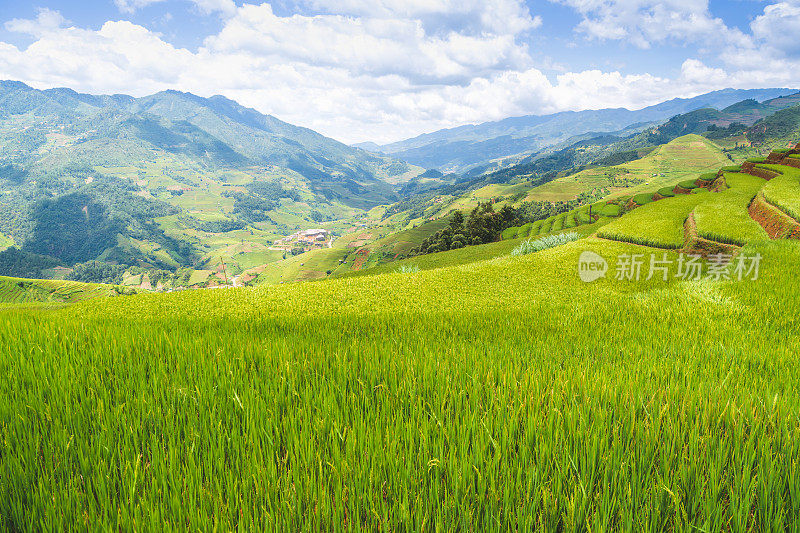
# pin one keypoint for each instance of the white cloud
(131, 6)
(475, 16)
(647, 22)
(389, 69)
(375, 46)
(46, 21)
(777, 27)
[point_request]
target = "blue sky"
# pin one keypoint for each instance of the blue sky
(383, 70)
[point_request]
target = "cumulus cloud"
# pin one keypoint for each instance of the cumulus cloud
(387, 69)
(46, 21)
(648, 22)
(375, 46)
(777, 27)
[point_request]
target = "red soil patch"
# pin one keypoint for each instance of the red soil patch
(247, 277)
(631, 205)
(718, 185)
(791, 162)
(696, 245)
(775, 222)
(680, 190)
(361, 258)
(750, 168)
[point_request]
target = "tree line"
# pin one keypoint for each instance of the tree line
(484, 225)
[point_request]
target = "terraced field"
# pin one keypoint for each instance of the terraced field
(683, 158)
(658, 224)
(472, 389)
(724, 217)
(16, 291)
(783, 191)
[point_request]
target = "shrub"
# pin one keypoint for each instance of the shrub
(544, 243)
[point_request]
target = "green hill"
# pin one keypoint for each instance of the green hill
(170, 180)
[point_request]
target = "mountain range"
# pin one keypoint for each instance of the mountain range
(459, 149)
(174, 180)
(153, 180)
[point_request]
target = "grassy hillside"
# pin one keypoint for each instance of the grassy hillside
(675, 161)
(502, 394)
(18, 291)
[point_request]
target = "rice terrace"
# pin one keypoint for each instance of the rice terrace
(521, 291)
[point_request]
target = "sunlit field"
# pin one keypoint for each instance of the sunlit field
(499, 395)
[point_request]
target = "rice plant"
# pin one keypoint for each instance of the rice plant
(783, 191)
(551, 241)
(724, 216)
(657, 224)
(425, 402)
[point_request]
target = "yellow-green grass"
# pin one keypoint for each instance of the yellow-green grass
(460, 256)
(783, 191)
(683, 158)
(315, 264)
(658, 224)
(403, 241)
(16, 291)
(5, 242)
(606, 209)
(499, 395)
(724, 217)
(558, 222)
(248, 260)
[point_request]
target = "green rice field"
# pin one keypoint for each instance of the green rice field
(502, 394)
(724, 218)
(783, 191)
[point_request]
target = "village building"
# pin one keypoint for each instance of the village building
(308, 239)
